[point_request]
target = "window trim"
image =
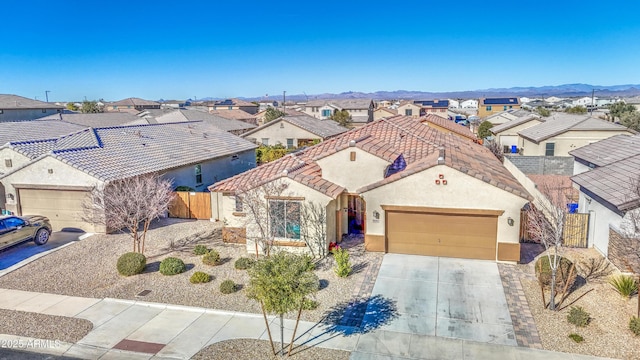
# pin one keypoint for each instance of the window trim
(239, 204)
(292, 144)
(8, 163)
(198, 173)
(287, 234)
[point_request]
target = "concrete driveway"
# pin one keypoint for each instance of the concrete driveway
(445, 297)
(21, 252)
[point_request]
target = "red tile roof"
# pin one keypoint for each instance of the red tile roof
(385, 138)
(449, 125)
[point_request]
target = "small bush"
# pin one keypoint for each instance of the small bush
(308, 264)
(308, 304)
(228, 287)
(343, 265)
(634, 325)
(543, 272)
(578, 317)
(211, 258)
(624, 284)
(200, 250)
(131, 263)
(244, 263)
(200, 277)
(577, 338)
(172, 266)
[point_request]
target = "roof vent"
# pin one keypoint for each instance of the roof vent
(285, 172)
(441, 156)
(352, 143)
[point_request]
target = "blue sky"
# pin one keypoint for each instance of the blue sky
(177, 50)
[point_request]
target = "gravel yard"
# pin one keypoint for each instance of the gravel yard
(43, 327)
(606, 335)
(249, 349)
(88, 269)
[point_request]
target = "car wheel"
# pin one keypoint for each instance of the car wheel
(42, 236)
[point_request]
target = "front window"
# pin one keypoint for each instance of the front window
(326, 113)
(284, 219)
(239, 206)
(289, 143)
(550, 149)
(408, 112)
(488, 108)
(265, 141)
(198, 174)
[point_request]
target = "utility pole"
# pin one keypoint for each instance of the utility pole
(46, 94)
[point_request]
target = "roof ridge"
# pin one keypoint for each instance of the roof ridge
(148, 125)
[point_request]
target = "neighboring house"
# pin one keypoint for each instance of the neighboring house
(453, 104)
(132, 105)
(408, 108)
(469, 104)
(507, 133)
(96, 119)
(448, 127)
(17, 108)
(294, 131)
(233, 104)
(561, 133)
(235, 114)
(175, 104)
(235, 127)
(507, 116)
(435, 107)
(382, 112)
(409, 188)
(635, 101)
(605, 172)
(361, 110)
(489, 106)
(291, 112)
(265, 104)
(61, 170)
(584, 101)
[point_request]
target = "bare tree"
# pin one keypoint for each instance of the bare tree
(129, 205)
(314, 228)
(546, 222)
(496, 150)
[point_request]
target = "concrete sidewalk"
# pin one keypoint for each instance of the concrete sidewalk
(142, 330)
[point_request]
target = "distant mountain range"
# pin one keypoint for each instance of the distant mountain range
(566, 90)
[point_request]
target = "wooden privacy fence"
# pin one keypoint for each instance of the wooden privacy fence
(575, 232)
(191, 205)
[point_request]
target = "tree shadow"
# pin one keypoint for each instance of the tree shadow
(358, 267)
(188, 243)
(575, 300)
(347, 318)
(224, 260)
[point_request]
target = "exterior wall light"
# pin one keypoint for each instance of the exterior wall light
(510, 221)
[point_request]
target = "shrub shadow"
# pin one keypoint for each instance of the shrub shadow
(223, 261)
(347, 318)
(152, 267)
(358, 268)
(189, 266)
(322, 284)
(187, 244)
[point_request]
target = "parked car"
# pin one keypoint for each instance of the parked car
(17, 229)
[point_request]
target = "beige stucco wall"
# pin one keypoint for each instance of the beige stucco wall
(510, 133)
(352, 175)
(415, 110)
(461, 192)
(568, 141)
(16, 158)
(279, 132)
(379, 114)
(223, 207)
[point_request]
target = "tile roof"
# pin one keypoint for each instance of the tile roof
(35, 130)
(94, 120)
(15, 102)
(232, 102)
(516, 122)
(385, 138)
(390, 111)
(609, 150)
(133, 101)
(233, 114)
(322, 128)
(118, 152)
(612, 182)
(449, 125)
(180, 115)
(558, 123)
(347, 104)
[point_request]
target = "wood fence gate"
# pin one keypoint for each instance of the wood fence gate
(191, 205)
(575, 232)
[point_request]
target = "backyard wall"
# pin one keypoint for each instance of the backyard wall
(543, 165)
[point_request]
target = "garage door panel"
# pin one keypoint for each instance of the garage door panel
(62, 207)
(441, 234)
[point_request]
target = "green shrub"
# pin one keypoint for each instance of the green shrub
(228, 287)
(172, 266)
(575, 337)
(244, 263)
(624, 284)
(543, 272)
(200, 277)
(211, 258)
(131, 263)
(308, 304)
(634, 325)
(343, 265)
(578, 317)
(308, 264)
(200, 250)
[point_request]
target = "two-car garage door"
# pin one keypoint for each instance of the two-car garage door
(62, 207)
(470, 234)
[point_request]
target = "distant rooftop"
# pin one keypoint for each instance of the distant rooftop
(15, 102)
(500, 101)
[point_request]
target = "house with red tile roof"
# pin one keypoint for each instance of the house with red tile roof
(448, 126)
(406, 187)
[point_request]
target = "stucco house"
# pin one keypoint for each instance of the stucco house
(449, 127)
(235, 114)
(489, 106)
(409, 108)
(236, 127)
(435, 107)
(294, 131)
(507, 133)
(233, 104)
(408, 187)
(361, 110)
(260, 116)
(55, 173)
(132, 105)
(16, 108)
(383, 112)
(605, 174)
(469, 104)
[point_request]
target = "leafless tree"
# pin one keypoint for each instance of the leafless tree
(129, 205)
(546, 225)
(496, 150)
(314, 228)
